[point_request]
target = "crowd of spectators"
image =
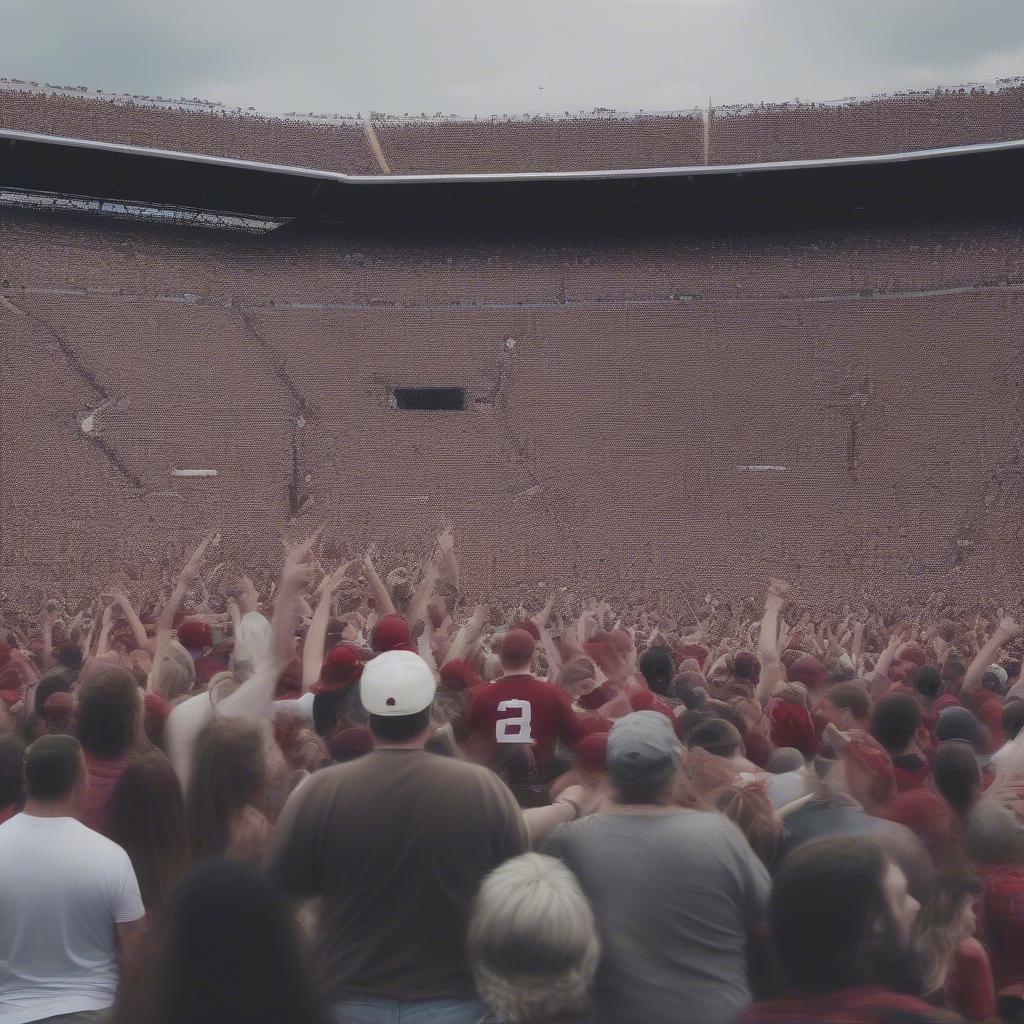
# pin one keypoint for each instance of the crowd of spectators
(339, 794)
(566, 141)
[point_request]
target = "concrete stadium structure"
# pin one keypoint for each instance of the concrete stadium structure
(698, 408)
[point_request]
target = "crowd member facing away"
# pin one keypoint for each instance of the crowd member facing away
(674, 891)
(146, 818)
(229, 775)
(230, 954)
(396, 844)
(533, 944)
(107, 724)
(841, 922)
(70, 909)
(894, 724)
(517, 708)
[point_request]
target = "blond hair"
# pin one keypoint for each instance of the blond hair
(533, 945)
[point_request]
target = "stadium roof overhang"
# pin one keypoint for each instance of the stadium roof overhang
(981, 178)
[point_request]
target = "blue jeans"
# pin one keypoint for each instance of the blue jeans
(391, 1011)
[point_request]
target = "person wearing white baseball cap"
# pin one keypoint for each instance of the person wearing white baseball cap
(397, 684)
(396, 843)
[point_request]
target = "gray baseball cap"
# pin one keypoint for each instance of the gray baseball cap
(642, 747)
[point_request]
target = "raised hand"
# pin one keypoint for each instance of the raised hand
(1009, 627)
(333, 580)
(298, 553)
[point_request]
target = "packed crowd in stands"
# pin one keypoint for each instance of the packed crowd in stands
(417, 144)
(343, 795)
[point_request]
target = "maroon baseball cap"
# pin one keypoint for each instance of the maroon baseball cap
(518, 646)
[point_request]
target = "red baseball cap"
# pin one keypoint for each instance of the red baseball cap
(807, 669)
(913, 652)
(341, 668)
(391, 633)
(518, 646)
(457, 675)
(194, 635)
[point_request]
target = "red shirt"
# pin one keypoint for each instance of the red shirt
(851, 1006)
(521, 709)
(647, 700)
(103, 776)
(912, 772)
(1004, 921)
(969, 987)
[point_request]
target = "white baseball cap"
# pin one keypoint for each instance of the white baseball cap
(396, 683)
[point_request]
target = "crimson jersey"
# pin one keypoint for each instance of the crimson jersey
(522, 709)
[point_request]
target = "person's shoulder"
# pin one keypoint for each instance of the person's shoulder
(707, 823)
(328, 778)
(98, 847)
(971, 951)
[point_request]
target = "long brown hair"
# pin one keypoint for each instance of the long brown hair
(936, 930)
(229, 771)
(146, 817)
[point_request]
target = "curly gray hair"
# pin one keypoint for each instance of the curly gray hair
(533, 945)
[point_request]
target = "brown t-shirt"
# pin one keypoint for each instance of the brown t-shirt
(397, 843)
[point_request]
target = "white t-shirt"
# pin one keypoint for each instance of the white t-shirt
(62, 889)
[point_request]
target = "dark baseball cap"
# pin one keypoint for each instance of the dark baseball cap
(642, 747)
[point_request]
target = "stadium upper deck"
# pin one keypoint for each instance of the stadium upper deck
(438, 145)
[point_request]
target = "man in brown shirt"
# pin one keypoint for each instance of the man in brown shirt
(396, 843)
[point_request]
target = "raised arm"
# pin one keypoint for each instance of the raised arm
(551, 652)
(102, 645)
(142, 641)
(253, 699)
(467, 634)
(879, 678)
(46, 621)
(1007, 629)
(383, 604)
(316, 636)
(448, 566)
(165, 623)
(425, 591)
(772, 673)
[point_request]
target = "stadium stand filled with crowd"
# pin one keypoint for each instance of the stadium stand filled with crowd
(512, 628)
(352, 796)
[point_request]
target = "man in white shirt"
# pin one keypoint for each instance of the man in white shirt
(70, 910)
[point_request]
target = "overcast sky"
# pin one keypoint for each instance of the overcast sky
(508, 56)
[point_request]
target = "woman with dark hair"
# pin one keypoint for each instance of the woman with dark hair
(955, 967)
(12, 791)
(107, 726)
(229, 953)
(230, 774)
(841, 921)
(146, 818)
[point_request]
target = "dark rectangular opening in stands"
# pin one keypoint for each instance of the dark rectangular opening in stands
(431, 399)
